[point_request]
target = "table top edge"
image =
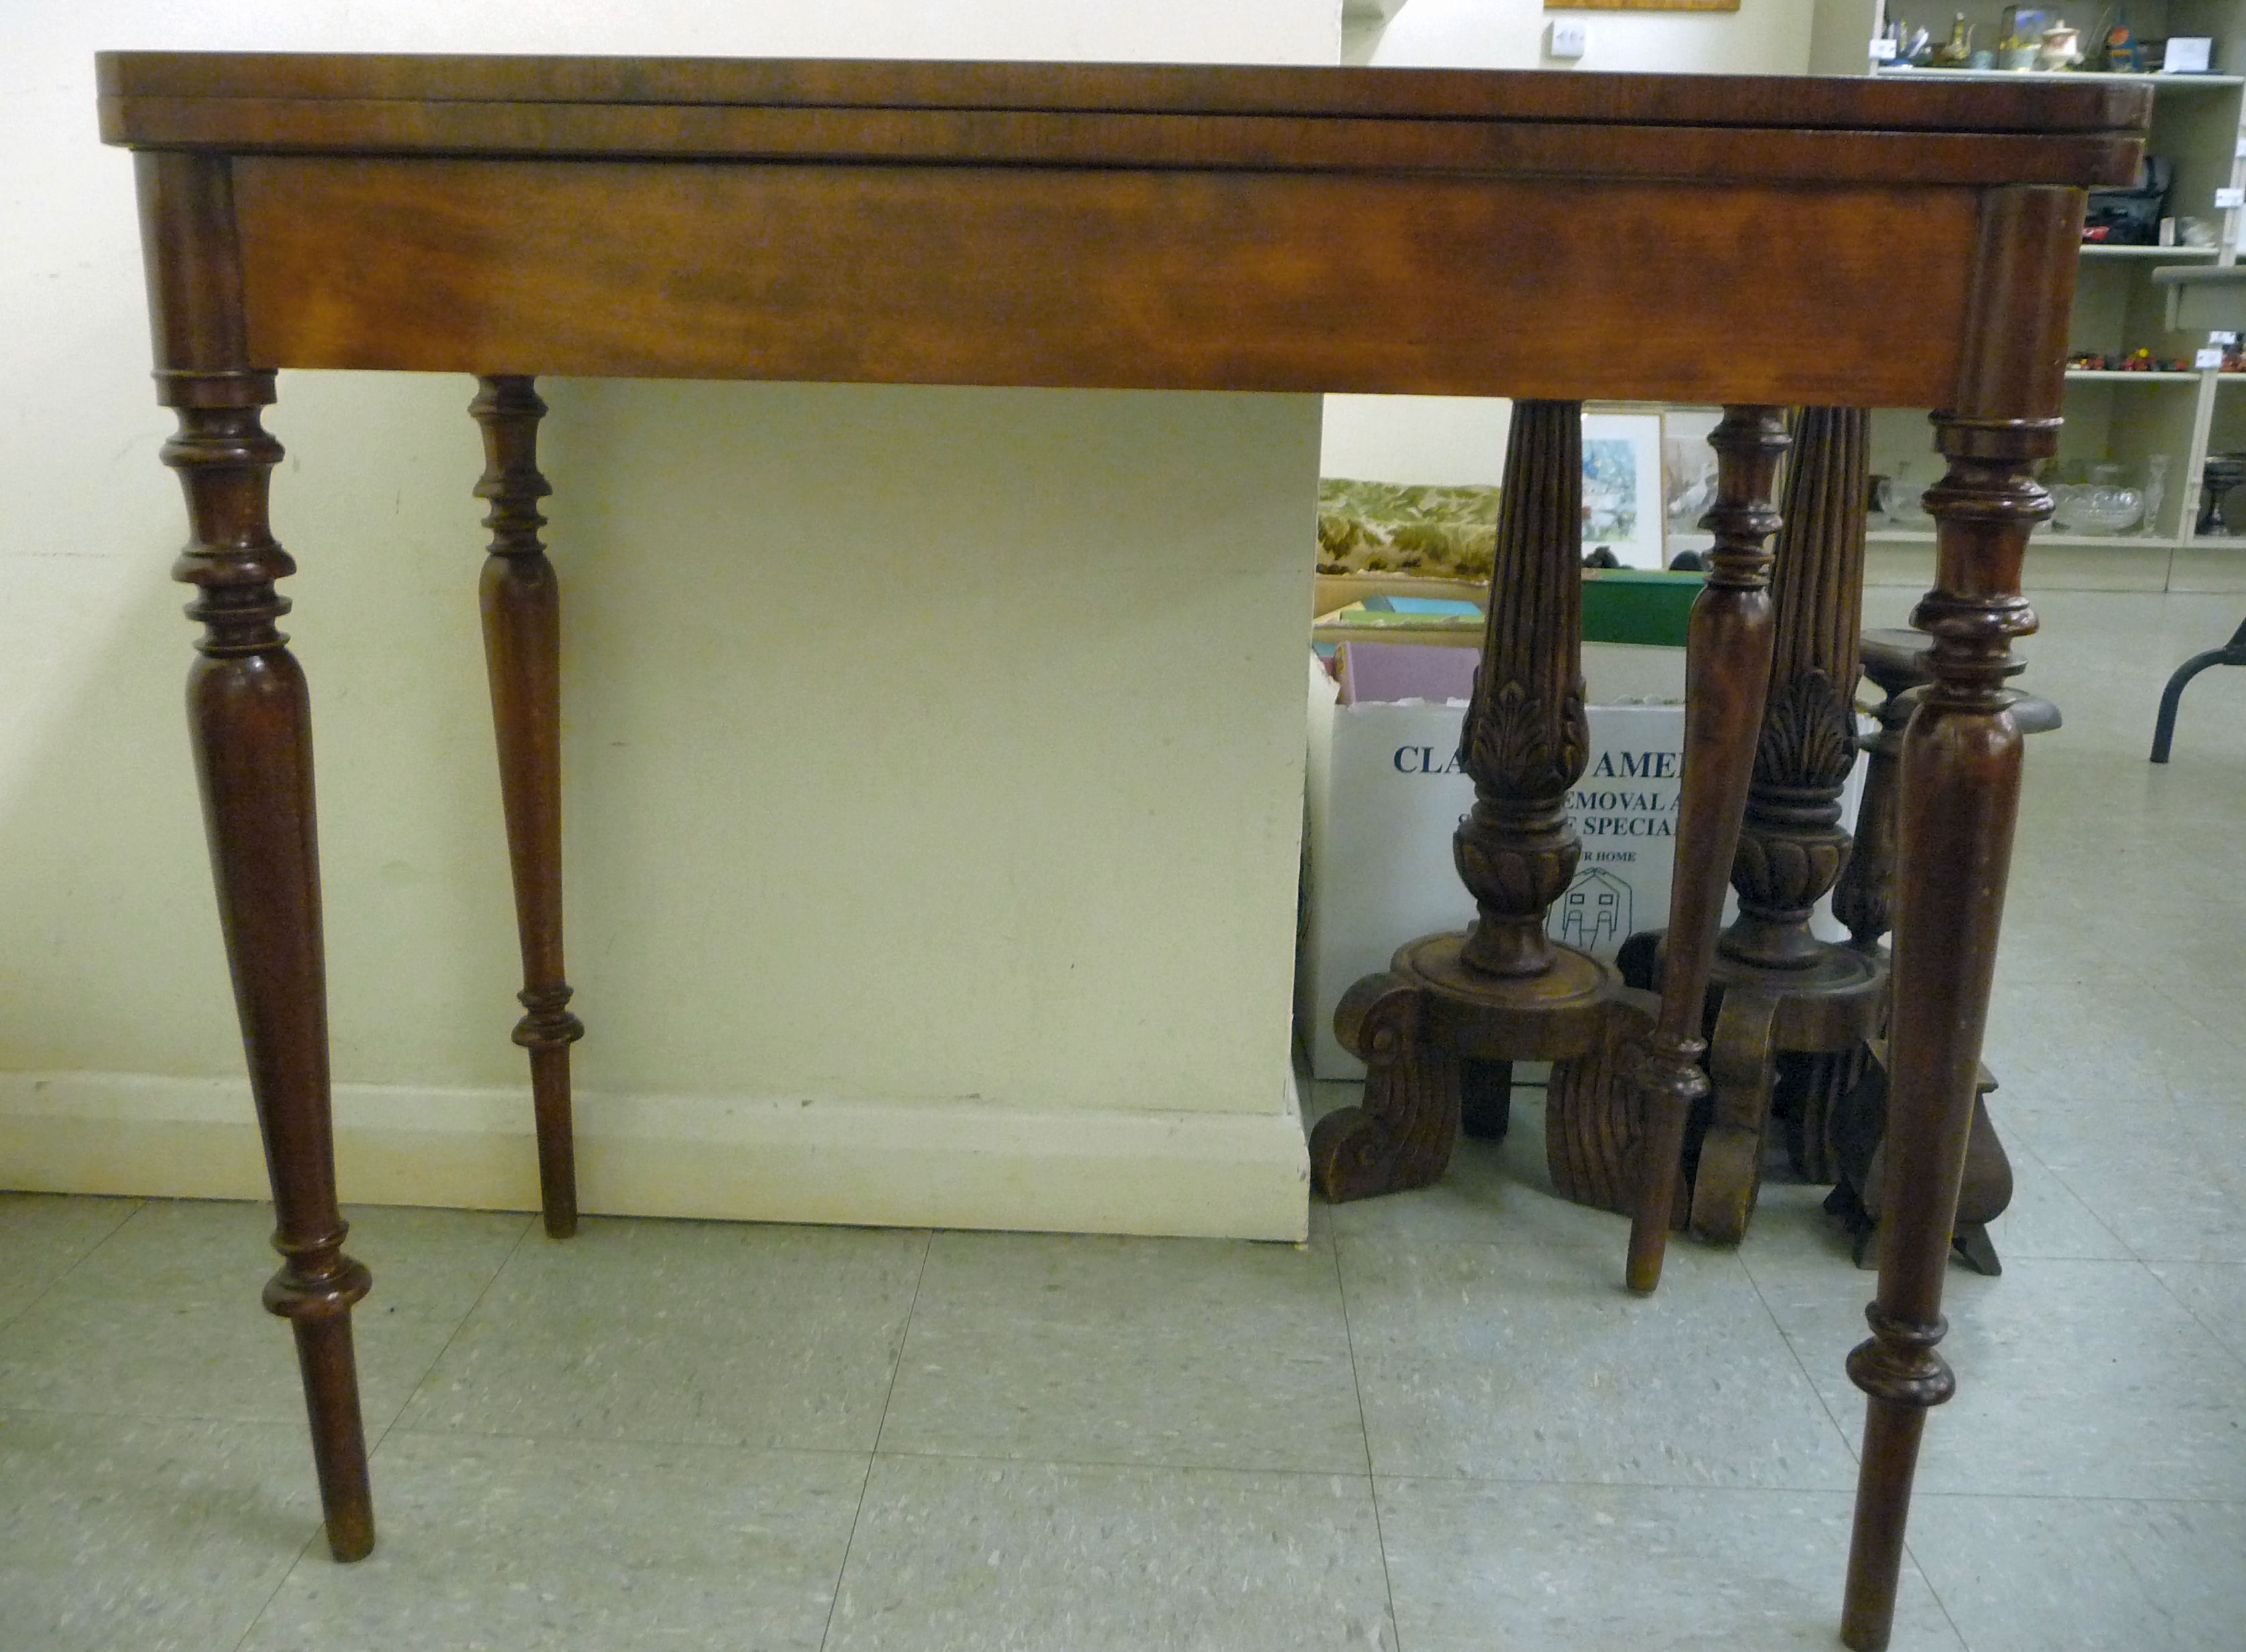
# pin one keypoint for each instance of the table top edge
(1794, 103)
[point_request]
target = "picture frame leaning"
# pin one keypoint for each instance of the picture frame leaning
(1623, 497)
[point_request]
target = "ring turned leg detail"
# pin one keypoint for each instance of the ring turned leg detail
(249, 720)
(523, 653)
(1960, 793)
(1959, 798)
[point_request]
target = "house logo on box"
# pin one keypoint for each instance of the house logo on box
(1595, 915)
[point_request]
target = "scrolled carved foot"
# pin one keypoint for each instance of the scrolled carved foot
(1401, 1137)
(1594, 1114)
(1742, 1064)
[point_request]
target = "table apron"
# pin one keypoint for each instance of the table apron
(1119, 278)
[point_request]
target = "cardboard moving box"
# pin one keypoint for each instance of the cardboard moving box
(1384, 792)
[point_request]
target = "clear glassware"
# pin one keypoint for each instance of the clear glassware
(2108, 505)
(1906, 499)
(2156, 491)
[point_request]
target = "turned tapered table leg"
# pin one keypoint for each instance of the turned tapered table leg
(522, 651)
(1960, 793)
(1727, 671)
(249, 716)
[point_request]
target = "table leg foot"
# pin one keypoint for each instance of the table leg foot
(330, 1374)
(1401, 1137)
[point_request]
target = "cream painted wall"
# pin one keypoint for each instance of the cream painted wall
(1763, 37)
(916, 872)
(1450, 439)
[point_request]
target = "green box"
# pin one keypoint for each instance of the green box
(1637, 605)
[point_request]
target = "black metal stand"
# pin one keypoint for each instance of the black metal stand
(2231, 653)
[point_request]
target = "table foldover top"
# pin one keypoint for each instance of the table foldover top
(1552, 237)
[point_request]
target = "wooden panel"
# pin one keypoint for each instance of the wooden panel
(1291, 143)
(1178, 280)
(1850, 102)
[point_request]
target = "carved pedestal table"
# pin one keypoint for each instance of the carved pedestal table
(1775, 999)
(1439, 1032)
(1554, 237)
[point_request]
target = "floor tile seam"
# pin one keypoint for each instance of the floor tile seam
(319, 1530)
(1913, 1499)
(2238, 1502)
(76, 1262)
(757, 1442)
(904, 1337)
(2237, 1355)
(1793, 1350)
(866, 1480)
(405, 1432)
(2135, 1254)
(1508, 1244)
(1516, 1483)
(1364, 1432)
(899, 1454)
(529, 1225)
(2020, 1145)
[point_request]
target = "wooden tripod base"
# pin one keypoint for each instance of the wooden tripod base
(1858, 1136)
(1831, 1008)
(1438, 1039)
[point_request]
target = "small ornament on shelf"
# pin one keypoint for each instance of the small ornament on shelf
(2061, 48)
(2118, 52)
(1957, 52)
(2019, 37)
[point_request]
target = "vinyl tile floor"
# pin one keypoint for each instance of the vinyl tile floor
(1438, 1424)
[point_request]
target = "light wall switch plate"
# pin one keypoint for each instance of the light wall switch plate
(1568, 36)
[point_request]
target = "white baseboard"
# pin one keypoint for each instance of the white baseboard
(906, 1164)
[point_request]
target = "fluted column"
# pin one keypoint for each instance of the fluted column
(1791, 845)
(1526, 738)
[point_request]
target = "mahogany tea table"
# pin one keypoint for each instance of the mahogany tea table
(1552, 237)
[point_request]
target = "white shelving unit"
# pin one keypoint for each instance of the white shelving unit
(2122, 418)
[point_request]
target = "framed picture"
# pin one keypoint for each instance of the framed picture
(1688, 476)
(1622, 487)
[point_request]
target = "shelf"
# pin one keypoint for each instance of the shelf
(2224, 380)
(2101, 249)
(2119, 375)
(2176, 83)
(2048, 536)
